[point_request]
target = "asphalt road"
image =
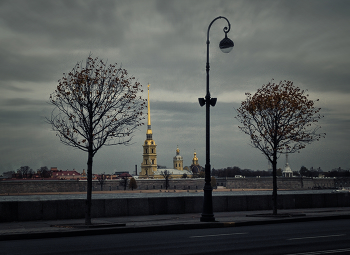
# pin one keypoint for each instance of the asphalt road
(307, 238)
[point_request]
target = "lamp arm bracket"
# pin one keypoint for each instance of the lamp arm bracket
(226, 29)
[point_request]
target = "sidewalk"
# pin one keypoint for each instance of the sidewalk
(132, 224)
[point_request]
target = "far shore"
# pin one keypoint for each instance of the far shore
(127, 192)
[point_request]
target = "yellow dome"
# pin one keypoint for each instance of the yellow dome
(195, 159)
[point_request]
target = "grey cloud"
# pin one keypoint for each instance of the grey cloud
(8, 86)
(164, 43)
(17, 67)
(59, 28)
(19, 102)
(61, 21)
(175, 107)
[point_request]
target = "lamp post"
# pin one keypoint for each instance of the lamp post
(226, 46)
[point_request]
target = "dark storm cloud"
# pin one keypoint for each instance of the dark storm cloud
(18, 102)
(13, 88)
(301, 40)
(176, 107)
(54, 27)
(164, 43)
(17, 67)
(22, 112)
(62, 22)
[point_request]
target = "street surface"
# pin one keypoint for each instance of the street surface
(304, 238)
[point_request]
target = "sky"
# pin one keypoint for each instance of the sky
(164, 43)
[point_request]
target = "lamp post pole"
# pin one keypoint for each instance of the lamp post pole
(226, 46)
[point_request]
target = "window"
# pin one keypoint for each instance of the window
(146, 161)
(152, 150)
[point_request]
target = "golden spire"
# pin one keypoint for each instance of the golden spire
(149, 130)
(149, 109)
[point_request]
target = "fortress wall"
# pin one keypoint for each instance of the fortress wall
(282, 183)
(33, 186)
(74, 209)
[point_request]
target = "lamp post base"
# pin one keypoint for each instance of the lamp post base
(207, 218)
(207, 214)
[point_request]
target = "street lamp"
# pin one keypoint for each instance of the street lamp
(226, 46)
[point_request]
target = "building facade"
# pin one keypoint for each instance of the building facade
(178, 161)
(287, 172)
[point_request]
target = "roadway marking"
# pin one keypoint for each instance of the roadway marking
(321, 252)
(219, 235)
(313, 237)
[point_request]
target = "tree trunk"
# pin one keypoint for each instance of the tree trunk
(274, 184)
(89, 190)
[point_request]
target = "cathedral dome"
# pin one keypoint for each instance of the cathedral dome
(195, 159)
(195, 167)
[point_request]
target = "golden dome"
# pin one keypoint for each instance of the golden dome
(195, 159)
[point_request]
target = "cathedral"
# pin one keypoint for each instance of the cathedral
(149, 168)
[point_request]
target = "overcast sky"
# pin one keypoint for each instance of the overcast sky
(164, 43)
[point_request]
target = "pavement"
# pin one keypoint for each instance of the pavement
(134, 224)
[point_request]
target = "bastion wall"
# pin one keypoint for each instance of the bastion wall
(33, 186)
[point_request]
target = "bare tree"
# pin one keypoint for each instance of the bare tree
(279, 118)
(44, 172)
(96, 105)
(167, 175)
(124, 182)
(132, 184)
(9, 174)
(25, 172)
(213, 182)
(101, 179)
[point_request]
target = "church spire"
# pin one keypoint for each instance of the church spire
(149, 129)
(149, 110)
(149, 162)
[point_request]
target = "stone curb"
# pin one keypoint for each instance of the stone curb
(182, 226)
